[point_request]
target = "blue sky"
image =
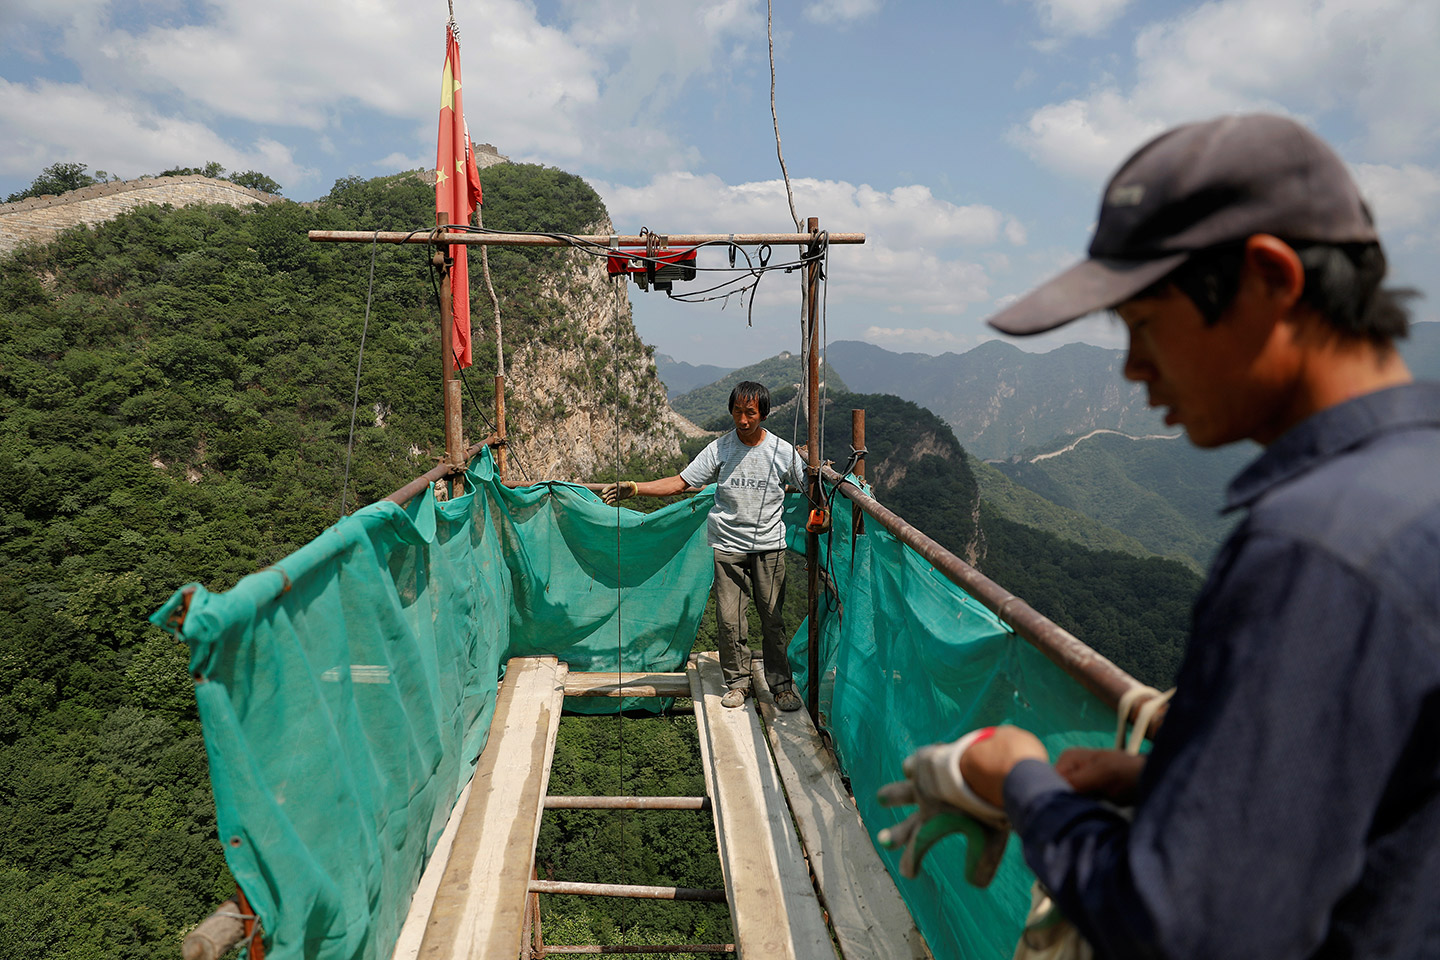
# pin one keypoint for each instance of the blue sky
(968, 140)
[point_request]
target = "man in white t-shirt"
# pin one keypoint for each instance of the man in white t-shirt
(750, 467)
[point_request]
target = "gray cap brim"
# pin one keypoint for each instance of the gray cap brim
(1085, 288)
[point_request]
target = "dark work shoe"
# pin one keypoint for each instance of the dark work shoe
(787, 700)
(734, 697)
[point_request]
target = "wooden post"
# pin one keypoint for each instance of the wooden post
(500, 456)
(450, 386)
(812, 540)
(857, 442)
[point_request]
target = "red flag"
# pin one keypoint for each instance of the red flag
(457, 189)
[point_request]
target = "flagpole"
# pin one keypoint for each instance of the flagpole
(450, 384)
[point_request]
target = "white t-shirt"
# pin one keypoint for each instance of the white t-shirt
(749, 490)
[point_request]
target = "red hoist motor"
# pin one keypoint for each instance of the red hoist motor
(652, 265)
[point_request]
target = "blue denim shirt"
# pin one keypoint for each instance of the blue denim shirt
(1290, 806)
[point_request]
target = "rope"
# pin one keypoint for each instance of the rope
(359, 361)
(775, 117)
(1151, 702)
(494, 300)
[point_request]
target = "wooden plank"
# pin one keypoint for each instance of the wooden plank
(866, 912)
(479, 908)
(407, 947)
(773, 906)
(601, 684)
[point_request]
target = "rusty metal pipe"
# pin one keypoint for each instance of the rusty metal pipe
(1093, 671)
(419, 484)
(514, 484)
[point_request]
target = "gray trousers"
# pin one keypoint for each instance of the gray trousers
(761, 576)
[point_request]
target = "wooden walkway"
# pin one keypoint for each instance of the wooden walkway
(472, 899)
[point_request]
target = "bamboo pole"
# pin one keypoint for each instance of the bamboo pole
(601, 241)
(215, 935)
(857, 442)
(610, 684)
(812, 539)
(627, 803)
(632, 891)
(501, 457)
(450, 386)
(421, 483)
(642, 948)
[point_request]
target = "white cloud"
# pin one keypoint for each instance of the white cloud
(841, 11)
(909, 216)
(595, 90)
(1086, 137)
(52, 122)
(1370, 63)
(1082, 18)
(923, 257)
(1405, 199)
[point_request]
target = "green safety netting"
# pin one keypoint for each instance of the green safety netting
(346, 692)
(907, 658)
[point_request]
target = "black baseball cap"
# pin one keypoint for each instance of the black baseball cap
(1194, 187)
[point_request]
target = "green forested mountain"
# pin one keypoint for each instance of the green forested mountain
(1014, 502)
(1165, 493)
(708, 406)
(175, 405)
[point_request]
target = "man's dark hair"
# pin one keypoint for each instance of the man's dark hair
(1342, 285)
(750, 390)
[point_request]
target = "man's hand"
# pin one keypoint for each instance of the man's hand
(1111, 774)
(989, 761)
(945, 806)
(612, 493)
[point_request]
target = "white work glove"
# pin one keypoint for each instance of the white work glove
(612, 493)
(945, 805)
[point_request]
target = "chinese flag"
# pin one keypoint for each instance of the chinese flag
(457, 189)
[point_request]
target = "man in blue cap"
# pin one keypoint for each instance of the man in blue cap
(1290, 806)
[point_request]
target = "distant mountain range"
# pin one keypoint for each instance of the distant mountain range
(1063, 434)
(1003, 402)
(681, 377)
(999, 399)
(707, 406)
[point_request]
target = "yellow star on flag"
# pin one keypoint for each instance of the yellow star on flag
(448, 86)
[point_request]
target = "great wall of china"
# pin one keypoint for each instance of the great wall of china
(38, 219)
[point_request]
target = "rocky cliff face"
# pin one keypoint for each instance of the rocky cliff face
(582, 393)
